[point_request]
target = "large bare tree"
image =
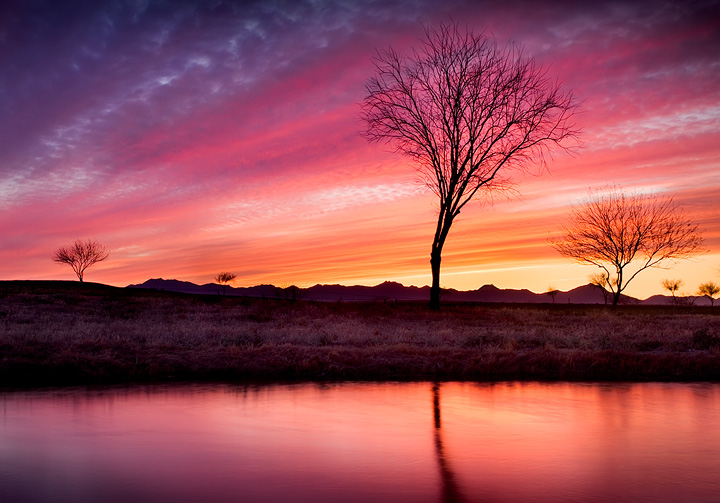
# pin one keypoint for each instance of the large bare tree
(467, 111)
(625, 234)
(80, 255)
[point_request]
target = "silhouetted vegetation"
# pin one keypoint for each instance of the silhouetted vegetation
(467, 112)
(552, 292)
(709, 290)
(613, 230)
(224, 279)
(80, 255)
(672, 286)
(58, 333)
(600, 281)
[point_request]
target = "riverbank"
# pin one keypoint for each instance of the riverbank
(64, 333)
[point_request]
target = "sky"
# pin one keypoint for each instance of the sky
(194, 137)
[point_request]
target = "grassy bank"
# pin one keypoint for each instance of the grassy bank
(59, 333)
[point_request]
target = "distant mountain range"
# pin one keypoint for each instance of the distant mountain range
(391, 291)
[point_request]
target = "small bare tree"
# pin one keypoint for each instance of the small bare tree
(709, 290)
(552, 292)
(601, 281)
(466, 112)
(672, 286)
(613, 230)
(80, 255)
(224, 279)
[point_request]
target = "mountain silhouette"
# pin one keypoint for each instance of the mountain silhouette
(393, 291)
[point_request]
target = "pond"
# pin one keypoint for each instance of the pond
(363, 442)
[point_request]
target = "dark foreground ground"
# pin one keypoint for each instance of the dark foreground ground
(66, 333)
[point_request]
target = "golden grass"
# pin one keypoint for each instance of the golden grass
(58, 333)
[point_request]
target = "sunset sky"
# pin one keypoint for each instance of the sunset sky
(194, 137)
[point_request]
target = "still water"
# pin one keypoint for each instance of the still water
(363, 442)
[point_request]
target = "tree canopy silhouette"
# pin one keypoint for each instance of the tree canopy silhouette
(467, 111)
(709, 290)
(613, 230)
(672, 286)
(224, 279)
(80, 255)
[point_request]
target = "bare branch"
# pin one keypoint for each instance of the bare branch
(225, 278)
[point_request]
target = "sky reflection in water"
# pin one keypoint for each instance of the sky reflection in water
(359, 442)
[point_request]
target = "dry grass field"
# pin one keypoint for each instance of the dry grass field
(63, 333)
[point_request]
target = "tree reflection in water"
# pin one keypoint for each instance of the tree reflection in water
(450, 490)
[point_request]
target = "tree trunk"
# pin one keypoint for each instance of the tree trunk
(435, 288)
(618, 287)
(445, 220)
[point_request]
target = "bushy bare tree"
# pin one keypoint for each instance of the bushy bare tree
(709, 290)
(224, 279)
(613, 230)
(672, 286)
(601, 281)
(80, 255)
(467, 111)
